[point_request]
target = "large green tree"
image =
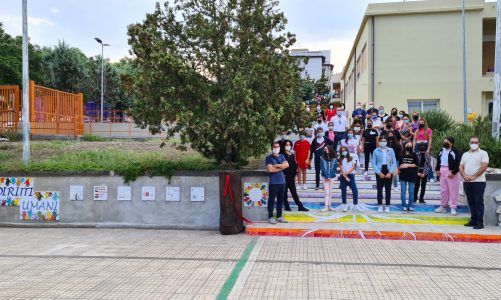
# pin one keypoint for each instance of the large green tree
(218, 73)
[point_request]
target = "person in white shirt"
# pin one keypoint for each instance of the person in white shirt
(340, 125)
(472, 167)
(320, 123)
(347, 178)
(382, 115)
(353, 146)
(376, 122)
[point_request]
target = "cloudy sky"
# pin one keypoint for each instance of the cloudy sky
(318, 24)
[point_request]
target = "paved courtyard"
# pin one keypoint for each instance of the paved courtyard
(173, 264)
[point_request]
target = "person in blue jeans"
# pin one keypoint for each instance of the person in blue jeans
(275, 164)
(408, 175)
(385, 167)
(328, 165)
(347, 178)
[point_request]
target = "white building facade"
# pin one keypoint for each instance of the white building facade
(319, 63)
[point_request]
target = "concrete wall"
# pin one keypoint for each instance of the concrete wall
(255, 214)
(138, 213)
(492, 200)
(119, 130)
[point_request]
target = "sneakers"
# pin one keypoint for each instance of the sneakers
(453, 211)
(281, 220)
(395, 189)
(304, 187)
(380, 209)
(432, 180)
(366, 173)
(272, 221)
(287, 208)
(470, 224)
(316, 188)
(410, 209)
(478, 227)
(325, 209)
(404, 208)
(357, 208)
(302, 208)
(440, 209)
(387, 209)
(422, 202)
(345, 207)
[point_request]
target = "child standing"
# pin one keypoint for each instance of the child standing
(328, 165)
(348, 165)
(302, 150)
(408, 175)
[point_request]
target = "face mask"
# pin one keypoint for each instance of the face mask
(284, 137)
(374, 117)
(359, 106)
(381, 111)
(288, 148)
(319, 121)
(331, 127)
(339, 113)
(276, 151)
(383, 144)
(356, 128)
(400, 116)
(344, 153)
(350, 135)
(331, 106)
(320, 134)
(369, 126)
(301, 137)
(390, 138)
(447, 145)
(394, 113)
(421, 126)
(474, 147)
(319, 109)
(388, 126)
(408, 148)
(406, 121)
(415, 118)
(371, 106)
(422, 150)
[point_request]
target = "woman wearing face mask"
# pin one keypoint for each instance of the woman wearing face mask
(290, 174)
(394, 144)
(317, 149)
(406, 130)
(423, 135)
(415, 121)
(447, 169)
(424, 165)
(347, 178)
(353, 146)
(320, 111)
(385, 165)
(302, 150)
(400, 122)
(369, 144)
(331, 134)
(376, 122)
(358, 129)
(330, 112)
(329, 167)
(408, 175)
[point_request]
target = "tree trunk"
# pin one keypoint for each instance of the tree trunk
(229, 220)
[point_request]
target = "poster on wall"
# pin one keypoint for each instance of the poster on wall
(173, 193)
(43, 206)
(197, 193)
(148, 193)
(15, 189)
(255, 194)
(100, 193)
(124, 193)
(76, 192)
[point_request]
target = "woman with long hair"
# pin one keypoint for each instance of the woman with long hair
(385, 165)
(352, 144)
(328, 165)
(290, 174)
(347, 178)
(408, 175)
(423, 135)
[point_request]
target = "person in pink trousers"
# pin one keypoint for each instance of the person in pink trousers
(447, 169)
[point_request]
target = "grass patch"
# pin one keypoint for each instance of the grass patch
(93, 138)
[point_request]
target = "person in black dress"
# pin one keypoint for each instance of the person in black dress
(290, 175)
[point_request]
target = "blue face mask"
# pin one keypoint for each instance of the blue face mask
(350, 135)
(320, 134)
(301, 137)
(344, 153)
(383, 144)
(374, 117)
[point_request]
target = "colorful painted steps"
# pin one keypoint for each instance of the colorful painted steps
(336, 194)
(381, 231)
(372, 206)
(370, 216)
(365, 184)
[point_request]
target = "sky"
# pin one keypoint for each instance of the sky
(318, 24)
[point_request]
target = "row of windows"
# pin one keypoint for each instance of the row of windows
(361, 66)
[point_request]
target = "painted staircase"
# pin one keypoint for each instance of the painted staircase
(422, 224)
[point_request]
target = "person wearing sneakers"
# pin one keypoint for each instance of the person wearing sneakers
(447, 169)
(275, 164)
(302, 150)
(290, 175)
(472, 167)
(424, 164)
(369, 144)
(385, 165)
(317, 148)
(329, 168)
(408, 173)
(347, 178)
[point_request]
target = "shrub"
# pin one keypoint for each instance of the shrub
(12, 136)
(88, 137)
(439, 120)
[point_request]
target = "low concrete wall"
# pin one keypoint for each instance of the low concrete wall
(119, 130)
(135, 213)
(492, 200)
(254, 214)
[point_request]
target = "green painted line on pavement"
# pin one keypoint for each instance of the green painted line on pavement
(230, 282)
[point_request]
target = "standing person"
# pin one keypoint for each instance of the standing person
(372, 109)
(397, 148)
(400, 121)
(290, 175)
(302, 150)
(330, 112)
(317, 149)
(347, 178)
(369, 144)
(408, 175)
(359, 112)
(320, 111)
(358, 129)
(415, 121)
(424, 164)
(406, 131)
(376, 122)
(389, 128)
(382, 114)
(353, 145)
(330, 134)
(473, 165)
(394, 113)
(275, 164)
(340, 125)
(385, 165)
(329, 167)
(320, 124)
(447, 168)
(424, 135)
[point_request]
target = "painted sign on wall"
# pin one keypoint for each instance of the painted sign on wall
(43, 206)
(256, 194)
(15, 189)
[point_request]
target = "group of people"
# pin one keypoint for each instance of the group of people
(398, 147)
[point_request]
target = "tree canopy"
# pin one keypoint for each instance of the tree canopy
(218, 73)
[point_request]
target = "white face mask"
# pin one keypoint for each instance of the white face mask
(474, 147)
(288, 148)
(276, 151)
(356, 128)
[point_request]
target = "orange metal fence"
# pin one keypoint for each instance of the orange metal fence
(52, 112)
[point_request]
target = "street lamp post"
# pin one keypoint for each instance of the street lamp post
(26, 101)
(102, 75)
(465, 97)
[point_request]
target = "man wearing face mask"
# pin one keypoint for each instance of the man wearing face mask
(317, 148)
(330, 112)
(281, 141)
(320, 124)
(447, 168)
(372, 109)
(275, 164)
(382, 115)
(473, 165)
(359, 113)
(340, 126)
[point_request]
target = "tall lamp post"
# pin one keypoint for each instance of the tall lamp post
(465, 98)
(102, 75)
(26, 101)
(496, 109)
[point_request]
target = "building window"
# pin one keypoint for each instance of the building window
(362, 62)
(422, 105)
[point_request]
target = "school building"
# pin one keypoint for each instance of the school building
(409, 55)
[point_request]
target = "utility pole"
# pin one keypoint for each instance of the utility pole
(26, 86)
(102, 76)
(497, 73)
(465, 99)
